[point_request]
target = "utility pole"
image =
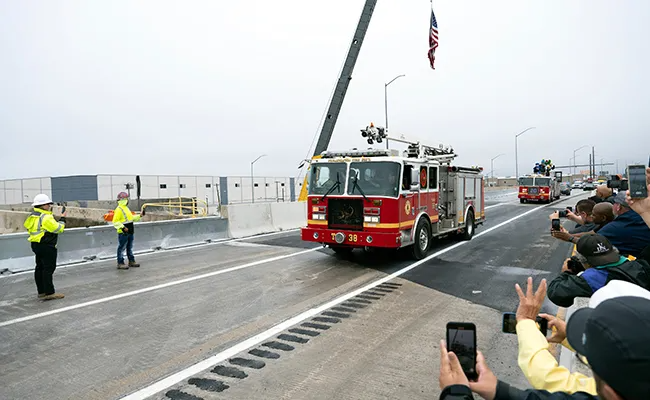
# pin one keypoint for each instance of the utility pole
(252, 181)
(386, 104)
(516, 156)
(593, 158)
(492, 165)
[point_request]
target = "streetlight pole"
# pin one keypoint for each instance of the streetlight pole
(252, 182)
(386, 103)
(574, 157)
(516, 155)
(492, 165)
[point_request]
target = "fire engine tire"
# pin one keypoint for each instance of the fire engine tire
(522, 201)
(470, 227)
(422, 237)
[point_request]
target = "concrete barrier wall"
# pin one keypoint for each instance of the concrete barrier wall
(288, 215)
(83, 244)
(249, 219)
(100, 242)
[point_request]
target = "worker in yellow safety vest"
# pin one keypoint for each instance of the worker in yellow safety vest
(123, 220)
(44, 233)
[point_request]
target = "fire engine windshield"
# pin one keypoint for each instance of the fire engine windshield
(379, 178)
(324, 177)
(542, 181)
(525, 181)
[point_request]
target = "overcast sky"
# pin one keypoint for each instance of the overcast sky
(204, 87)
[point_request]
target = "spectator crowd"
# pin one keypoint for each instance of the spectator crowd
(611, 267)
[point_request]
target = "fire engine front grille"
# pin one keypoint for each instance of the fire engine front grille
(533, 190)
(345, 214)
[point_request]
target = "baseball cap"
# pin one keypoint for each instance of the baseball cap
(613, 337)
(620, 198)
(597, 250)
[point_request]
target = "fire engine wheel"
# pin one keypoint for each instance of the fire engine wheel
(420, 248)
(522, 201)
(468, 232)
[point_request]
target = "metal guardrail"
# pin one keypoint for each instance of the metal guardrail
(78, 245)
(182, 206)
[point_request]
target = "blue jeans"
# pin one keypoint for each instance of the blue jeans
(125, 240)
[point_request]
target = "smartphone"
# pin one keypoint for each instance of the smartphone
(562, 213)
(509, 324)
(461, 339)
(555, 224)
(637, 181)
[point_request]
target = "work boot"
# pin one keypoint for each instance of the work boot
(122, 266)
(133, 264)
(41, 295)
(53, 296)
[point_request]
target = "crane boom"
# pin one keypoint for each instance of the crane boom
(344, 79)
(341, 87)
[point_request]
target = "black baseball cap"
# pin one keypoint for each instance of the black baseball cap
(613, 337)
(597, 250)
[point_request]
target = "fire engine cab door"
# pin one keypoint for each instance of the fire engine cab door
(410, 195)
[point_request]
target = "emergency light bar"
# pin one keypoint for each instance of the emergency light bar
(360, 153)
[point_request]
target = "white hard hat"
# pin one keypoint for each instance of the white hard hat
(41, 199)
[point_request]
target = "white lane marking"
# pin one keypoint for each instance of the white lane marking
(257, 339)
(496, 205)
(145, 253)
(151, 288)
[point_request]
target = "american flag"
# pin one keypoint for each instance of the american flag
(433, 39)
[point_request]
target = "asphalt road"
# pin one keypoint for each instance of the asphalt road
(119, 332)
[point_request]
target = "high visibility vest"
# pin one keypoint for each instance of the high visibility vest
(41, 224)
(121, 216)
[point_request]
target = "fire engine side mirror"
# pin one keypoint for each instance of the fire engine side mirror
(415, 179)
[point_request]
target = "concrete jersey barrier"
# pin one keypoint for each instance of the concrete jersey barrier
(288, 215)
(100, 242)
(249, 220)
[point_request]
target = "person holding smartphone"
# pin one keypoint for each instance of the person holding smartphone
(610, 334)
(642, 205)
(44, 232)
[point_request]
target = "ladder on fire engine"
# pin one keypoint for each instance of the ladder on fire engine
(442, 154)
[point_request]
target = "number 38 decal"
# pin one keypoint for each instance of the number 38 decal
(351, 237)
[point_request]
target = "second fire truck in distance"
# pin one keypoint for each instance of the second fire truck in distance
(379, 198)
(539, 187)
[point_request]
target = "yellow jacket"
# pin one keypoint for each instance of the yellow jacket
(42, 227)
(541, 368)
(122, 215)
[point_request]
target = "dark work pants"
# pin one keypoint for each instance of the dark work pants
(124, 241)
(45, 266)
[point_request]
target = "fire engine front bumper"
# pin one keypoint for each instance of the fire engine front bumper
(337, 237)
(534, 196)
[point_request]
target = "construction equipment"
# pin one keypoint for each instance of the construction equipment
(384, 199)
(336, 102)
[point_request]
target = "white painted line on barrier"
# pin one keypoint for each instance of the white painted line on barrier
(257, 339)
(144, 253)
(156, 287)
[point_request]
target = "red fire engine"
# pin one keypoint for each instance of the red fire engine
(379, 198)
(540, 188)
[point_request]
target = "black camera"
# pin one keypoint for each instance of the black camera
(575, 266)
(617, 183)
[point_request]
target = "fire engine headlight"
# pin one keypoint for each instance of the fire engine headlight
(315, 235)
(371, 219)
(319, 217)
(339, 237)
